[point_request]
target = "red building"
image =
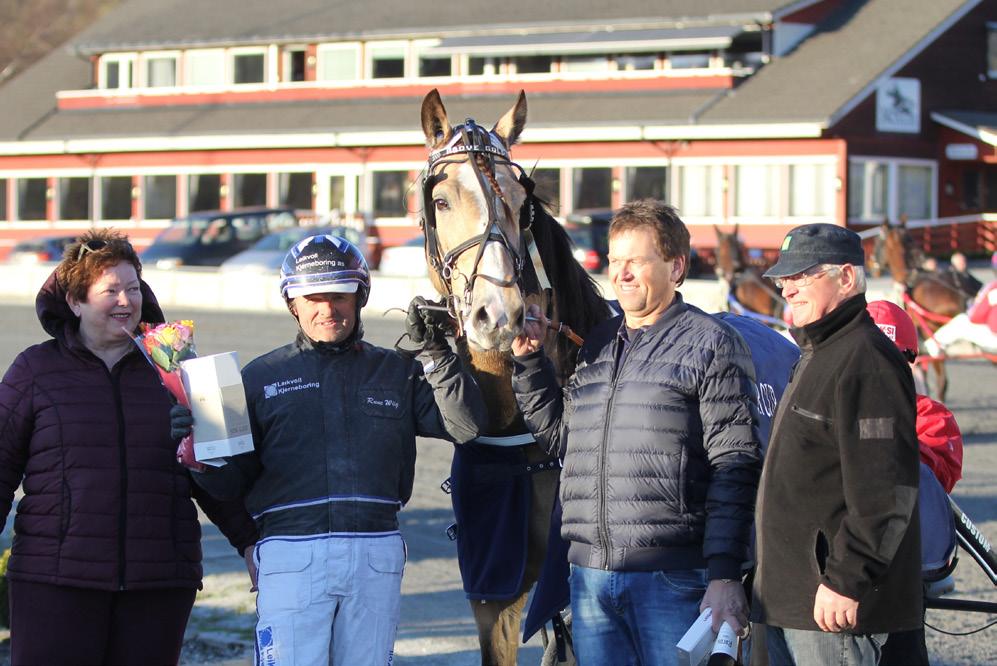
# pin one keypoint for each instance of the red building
(763, 113)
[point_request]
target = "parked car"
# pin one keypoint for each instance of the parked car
(47, 249)
(208, 238)
(405, 260)
(267, 255)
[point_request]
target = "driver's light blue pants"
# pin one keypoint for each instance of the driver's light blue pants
(328, 599)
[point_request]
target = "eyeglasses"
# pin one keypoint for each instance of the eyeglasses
(90, 246)
(804, 279)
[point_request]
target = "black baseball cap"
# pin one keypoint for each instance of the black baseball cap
(814, 244)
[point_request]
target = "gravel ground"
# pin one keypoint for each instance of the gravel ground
(437, 628)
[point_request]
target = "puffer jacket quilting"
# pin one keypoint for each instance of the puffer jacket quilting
(660, 444)
(105, 503)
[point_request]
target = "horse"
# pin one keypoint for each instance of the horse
(930, 298)
(493, 249)
(745, 284)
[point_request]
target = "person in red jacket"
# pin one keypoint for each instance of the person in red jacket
(940, 445)
(978, 325)
(106, 560)
(938, 436)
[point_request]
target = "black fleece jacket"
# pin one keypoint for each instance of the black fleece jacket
(838, 495)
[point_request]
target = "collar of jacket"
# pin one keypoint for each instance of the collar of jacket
(351, 343)
(676, 308)
(845, 316)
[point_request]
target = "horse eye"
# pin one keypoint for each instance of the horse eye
(441, 205)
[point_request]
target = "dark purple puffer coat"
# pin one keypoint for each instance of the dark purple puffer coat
(105, 506)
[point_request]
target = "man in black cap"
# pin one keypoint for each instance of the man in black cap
(838, 541)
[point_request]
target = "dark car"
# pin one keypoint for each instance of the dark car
(589, 231)
(208, 238)
(42, 250)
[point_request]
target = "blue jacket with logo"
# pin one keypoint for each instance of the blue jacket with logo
(335, 435)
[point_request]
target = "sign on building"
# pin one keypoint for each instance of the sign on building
(898, 106)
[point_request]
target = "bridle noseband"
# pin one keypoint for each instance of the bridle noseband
(484, 151)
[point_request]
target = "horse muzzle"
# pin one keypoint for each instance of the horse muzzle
(494, 323)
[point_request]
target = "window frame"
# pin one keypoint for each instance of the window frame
(341, 47)
(372, 47)
(893, 165)
(240, 51)
(188, 62)
(128, 58)
(148, 56)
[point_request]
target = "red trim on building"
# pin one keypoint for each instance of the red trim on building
(813, 14)
(99, 99)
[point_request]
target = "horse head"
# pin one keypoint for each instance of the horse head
(730, 254)
(901, 253)
(472, 198)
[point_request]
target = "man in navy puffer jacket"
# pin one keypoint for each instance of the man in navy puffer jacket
(658, 430)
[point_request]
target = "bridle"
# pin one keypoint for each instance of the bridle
(483, 151)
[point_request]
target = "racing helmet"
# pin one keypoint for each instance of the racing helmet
(324, 264)
(896, 324)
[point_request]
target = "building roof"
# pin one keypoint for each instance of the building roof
(145, 24)
(838, 66)
(977, 124)
(812, 86)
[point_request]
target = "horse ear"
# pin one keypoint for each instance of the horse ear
(511, 125)
(435, 124)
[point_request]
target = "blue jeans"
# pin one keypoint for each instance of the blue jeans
(632, 618)
(799, 647)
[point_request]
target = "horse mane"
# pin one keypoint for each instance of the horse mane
(578, 300)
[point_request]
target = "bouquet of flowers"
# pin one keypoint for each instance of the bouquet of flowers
(165, 346)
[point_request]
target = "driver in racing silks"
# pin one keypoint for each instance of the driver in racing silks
(334, 422)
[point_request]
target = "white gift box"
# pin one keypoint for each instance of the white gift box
(218, 403)
(694, 647)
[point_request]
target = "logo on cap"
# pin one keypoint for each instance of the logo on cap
(785, 243)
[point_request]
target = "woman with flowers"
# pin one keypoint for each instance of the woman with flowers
(106, 559)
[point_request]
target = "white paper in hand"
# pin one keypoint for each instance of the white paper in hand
(218, 403)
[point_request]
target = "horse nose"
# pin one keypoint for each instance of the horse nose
(490, 316)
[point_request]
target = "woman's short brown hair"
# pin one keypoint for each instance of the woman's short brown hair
(671, 237)
(85, 260)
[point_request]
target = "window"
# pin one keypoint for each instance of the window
(390, 188)
(160, 71)
(914, 191)
(637, 62)
(592, 188)
(204, 192)
(337, 193)
(295, 189)
(585, 64)
(992, 50)
(483, 66)
(249, 189)
(989, 189)
(3, 198)
(116, 197)
(434, 67)
(74, 199)
(116, 72)
(532, 64)
(699, 190)
(867, 190)
(31, 198)
(647, 183)
(160, 197)
(205, 67)
(757, 190)
(548, 188)
(694, 60)
(338, 62)
(294, 65)
(811, 189)
(387, 61)
(248, 68)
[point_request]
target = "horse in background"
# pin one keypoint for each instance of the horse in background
(493, 250)
(931, 298)
(745, 283)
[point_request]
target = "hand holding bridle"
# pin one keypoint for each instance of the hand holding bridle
(534, 330)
